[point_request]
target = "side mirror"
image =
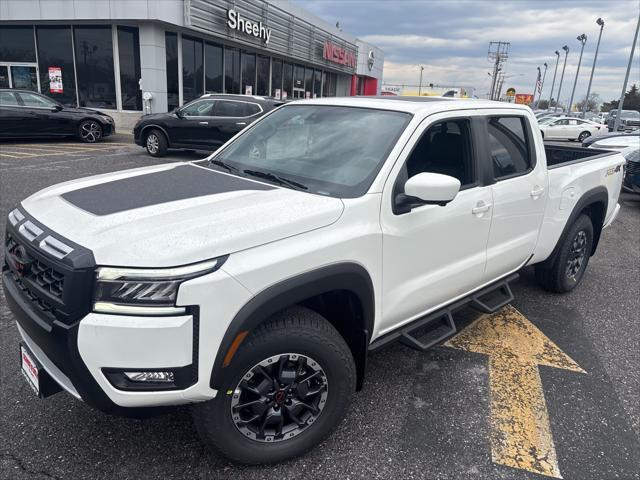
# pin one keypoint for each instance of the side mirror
(179, 113)
(56, 108)
(427, 189)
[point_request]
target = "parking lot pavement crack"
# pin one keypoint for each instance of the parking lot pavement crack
(23, 468)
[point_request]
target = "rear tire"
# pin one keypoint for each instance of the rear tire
(156, 143)
(564, 271)
(305, 344)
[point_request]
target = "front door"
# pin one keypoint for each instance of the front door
(432, 253)
(193, 123)
(519, 193)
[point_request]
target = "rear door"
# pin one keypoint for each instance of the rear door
(13, 117)
(519, 191)
(231, 116)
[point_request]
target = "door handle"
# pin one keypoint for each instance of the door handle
(241, 123)
(203, 123)
(481, 207)
(537, 191)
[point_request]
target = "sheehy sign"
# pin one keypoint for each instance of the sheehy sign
(255, 29)
(337, 54)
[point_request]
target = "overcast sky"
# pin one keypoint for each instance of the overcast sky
(450, 38)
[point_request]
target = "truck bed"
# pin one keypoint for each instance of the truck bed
(561, 155)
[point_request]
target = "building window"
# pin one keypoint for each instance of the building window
(192, 74)
(317, 83)
(94, 61)
(248, 74)
(129, 56)
(287, 80)
(330, 87)
(298, 81)
(262, 83)
(171, 47)
(231, 70)
(276, 78)
(324, 84)
(213, 68)
(308, 83)
(55, 61)
(16, 44)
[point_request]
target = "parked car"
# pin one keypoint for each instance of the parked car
(203, 124)
(631, 182)
(254, 283)
(616, 142)
(26, 114)
(629, 120)
(570, 128)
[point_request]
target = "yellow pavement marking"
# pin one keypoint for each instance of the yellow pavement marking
(24, 154)
(520, 431)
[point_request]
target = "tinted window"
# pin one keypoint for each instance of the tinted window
(24, 78)
(8, 98)
(248, 73)
(308, 83)
(55, 62)
(227, 108)
(129, 54)
(444, 148)
(33, 100)
(509, 146)
(94, 60)
(4, 76)
(192, 73)
(16, 44)
(320, 147)
(171, 48)
(231, 70)
(202, 108)
(262, 84)
(317, 83)
(251, 109)
(213, 68)
(287, 80)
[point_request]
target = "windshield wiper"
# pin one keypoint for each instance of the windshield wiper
(276, 178)
(222, 164)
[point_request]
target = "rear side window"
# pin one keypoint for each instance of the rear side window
(8, 99)
(509, 147)
(251, 109)
(227, 108)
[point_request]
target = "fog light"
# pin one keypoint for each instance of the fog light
(163, 377)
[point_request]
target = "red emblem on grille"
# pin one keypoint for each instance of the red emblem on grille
(19, 260)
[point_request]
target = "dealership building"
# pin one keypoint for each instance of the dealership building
(133, 56)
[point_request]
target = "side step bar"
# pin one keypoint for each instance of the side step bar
(432, 329)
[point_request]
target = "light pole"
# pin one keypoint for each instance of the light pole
(544, 75)
(600, 22)
(553, 83)
(535, 87)
(420, 85)
(626, 79)
(566, 54)
(582, 38)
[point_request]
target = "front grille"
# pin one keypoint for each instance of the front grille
(633, 168)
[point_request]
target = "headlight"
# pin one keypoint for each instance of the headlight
(106, 118)
(145, 291)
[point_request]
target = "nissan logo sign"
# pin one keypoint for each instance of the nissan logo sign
(370, 59)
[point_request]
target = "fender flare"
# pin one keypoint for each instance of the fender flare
(348, 276)
(590, 197)
(153, 125)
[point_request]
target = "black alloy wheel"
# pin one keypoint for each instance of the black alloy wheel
(90, 131)
(577, 254)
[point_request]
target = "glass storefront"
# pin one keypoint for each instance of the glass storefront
(248, 74)
(262, 75)
(231, 70)
(213, 68)
(55, 63)
(17, 44)
(94, 63)
(173, 85)
(192, 71)
(129, 56)
(276, 77)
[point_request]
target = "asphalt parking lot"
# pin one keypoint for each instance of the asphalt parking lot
(434, 415)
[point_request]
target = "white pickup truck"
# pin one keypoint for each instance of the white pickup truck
(254, 283)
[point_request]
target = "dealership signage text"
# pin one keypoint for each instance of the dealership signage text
(257, 29)
(336, 54)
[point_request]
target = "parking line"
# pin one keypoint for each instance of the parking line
(26, 154)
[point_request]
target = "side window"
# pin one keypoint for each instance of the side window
(8, 99)
(573, 122)
(445, 148)
(509, 146)
(226, 108)
(32, 100)
(560, 122)
(251, 109)
(202, 108)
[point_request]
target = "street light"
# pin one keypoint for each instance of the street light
(554, 78)
(544, 75)
(616, 123)
(600, 22)
(582, 38)
(566, 54)
(420, 85)
(535, 87)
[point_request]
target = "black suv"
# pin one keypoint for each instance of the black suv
(203, 124)
(26, 114)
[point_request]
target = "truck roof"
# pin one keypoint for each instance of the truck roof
(413, 104)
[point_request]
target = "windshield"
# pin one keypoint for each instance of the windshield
(329, 150)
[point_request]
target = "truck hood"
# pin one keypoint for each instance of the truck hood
(176, 214)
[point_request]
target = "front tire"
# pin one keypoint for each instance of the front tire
(286, 389)
(584, 135)
(90, 131)
(156, 143)
(564, 271)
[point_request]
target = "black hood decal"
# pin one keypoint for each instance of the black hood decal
(179, 183)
